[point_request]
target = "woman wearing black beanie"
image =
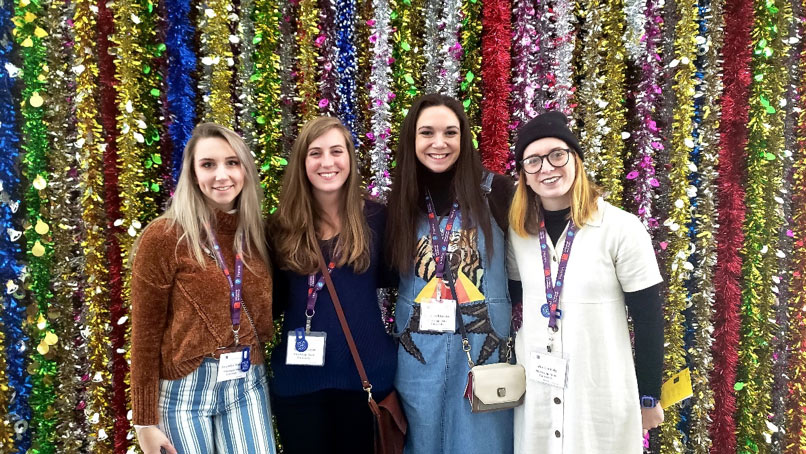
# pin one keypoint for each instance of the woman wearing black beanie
(584, 264)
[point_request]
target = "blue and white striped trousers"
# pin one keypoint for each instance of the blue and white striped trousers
(201, 416)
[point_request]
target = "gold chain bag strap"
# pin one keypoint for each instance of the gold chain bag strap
(490, 387)
(390, 423)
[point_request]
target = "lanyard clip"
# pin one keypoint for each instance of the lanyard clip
(466, 349)
(235, 332)
(308, 317)
(551, 331)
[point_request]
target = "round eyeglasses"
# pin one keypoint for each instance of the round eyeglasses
(557, 157)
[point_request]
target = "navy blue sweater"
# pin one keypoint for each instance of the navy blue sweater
(357, 293)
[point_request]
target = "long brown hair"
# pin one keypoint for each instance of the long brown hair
(525, 209)
(401, 224)
(298, 219)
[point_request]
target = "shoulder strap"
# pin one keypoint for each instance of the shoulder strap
(459, 319)
(486, 182)
(348, 335)
(463, 331)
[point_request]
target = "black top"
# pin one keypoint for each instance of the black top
(440, 185)
(556, 222)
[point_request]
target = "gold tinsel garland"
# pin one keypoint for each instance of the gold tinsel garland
(678, 266)
(409, 59)
(90, 147)
(217, 62)
(763, 222)
(470, 72)
(67, 232)
(135, 147)
(266, 81)
(601, 107)
(709, 89)
(307, 67)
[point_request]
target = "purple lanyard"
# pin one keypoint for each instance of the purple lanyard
(439, 243)
(553, 291)
(314, 287)
(236, 286)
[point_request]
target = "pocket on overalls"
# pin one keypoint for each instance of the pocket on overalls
(403, 311)
(500, 311)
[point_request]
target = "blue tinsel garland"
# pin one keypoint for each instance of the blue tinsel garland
(181, 94)
(346, 65)
(13, 313)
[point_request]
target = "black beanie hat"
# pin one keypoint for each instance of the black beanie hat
(549, 124)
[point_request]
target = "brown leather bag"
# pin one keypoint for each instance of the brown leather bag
(390, 422)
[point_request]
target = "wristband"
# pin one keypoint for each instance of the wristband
(649, 402)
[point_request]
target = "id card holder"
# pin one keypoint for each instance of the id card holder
(305, 349)
(438, 315)
(233, 365)
(548, 368)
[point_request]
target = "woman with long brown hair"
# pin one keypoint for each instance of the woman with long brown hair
(317, 394)
(447, 217)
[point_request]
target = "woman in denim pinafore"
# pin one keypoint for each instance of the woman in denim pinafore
(432, 369)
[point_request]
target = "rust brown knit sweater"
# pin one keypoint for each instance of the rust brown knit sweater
(180, 312)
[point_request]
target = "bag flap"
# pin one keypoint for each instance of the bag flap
(391, 405)
(499, 382)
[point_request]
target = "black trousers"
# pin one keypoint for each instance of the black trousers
(328, 421)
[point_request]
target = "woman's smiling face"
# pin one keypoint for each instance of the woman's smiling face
(551, 184)
(437, 143)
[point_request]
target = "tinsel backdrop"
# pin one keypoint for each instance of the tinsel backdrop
(692, 114)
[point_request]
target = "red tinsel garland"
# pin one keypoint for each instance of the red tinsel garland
(729, 237)
(120, 367)
(496, 66)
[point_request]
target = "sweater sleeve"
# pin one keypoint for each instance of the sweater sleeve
(501, 193)
(645, 307)
(152, 279)
(387, 277)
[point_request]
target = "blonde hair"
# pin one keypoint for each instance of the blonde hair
(299, 217)
(189, 208)
(525, 208)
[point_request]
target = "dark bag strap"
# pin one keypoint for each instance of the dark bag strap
(452, 285)
(448, 273)
(348, 335)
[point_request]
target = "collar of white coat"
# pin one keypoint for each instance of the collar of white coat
(598, 216)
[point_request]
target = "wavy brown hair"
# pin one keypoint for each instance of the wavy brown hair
(296, 226)
(525, 209)
(403, 212)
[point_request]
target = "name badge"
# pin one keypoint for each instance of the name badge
(548, 369)
(305, 349)
(233, 365)
(438, 315)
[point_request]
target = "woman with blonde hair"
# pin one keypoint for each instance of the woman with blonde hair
(316, 390)
(584, 265)
(201, 308)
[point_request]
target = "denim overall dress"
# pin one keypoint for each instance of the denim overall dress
(432, 368)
